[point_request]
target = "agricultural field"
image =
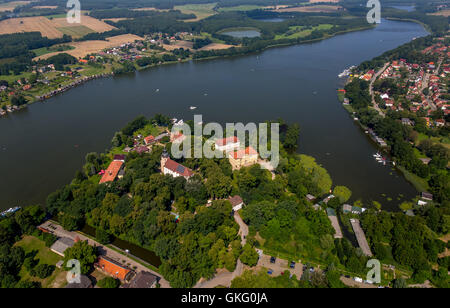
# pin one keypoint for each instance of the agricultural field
(202, 11)
(87, 47)
(46, 50)
(312, 9)
(10, 6)
(445, 13)
(301, 31)
(241, 8)
(53, 27)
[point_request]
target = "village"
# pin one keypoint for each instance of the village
(46, 79)
(422, 86)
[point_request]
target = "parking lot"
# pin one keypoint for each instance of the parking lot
(279, 266)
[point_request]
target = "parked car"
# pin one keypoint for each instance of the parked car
(272, 259)
(269, 272)
(292, 265)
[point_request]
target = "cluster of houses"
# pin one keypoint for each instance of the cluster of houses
(430, 76)
(107, 265)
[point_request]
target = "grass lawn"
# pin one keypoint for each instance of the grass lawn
(419, 183)
(76, 31)
(46, 50)
(241, 8)
(45, 255)
(200, 10)
(300, 31)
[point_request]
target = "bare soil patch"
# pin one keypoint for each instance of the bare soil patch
(87, 47)
(216, 46)
(445, 13)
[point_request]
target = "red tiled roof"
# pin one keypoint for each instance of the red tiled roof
(149, 139)
(112, 267)
(243, 152)
(178, 168)
(112, 171)
(225, 141)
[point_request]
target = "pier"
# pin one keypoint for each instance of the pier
(361, 237)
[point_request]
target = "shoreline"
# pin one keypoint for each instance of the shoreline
(85, 79)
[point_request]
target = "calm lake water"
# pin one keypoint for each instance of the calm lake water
(42, 146)
(242, 33)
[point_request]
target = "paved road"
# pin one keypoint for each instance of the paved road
(374, 77)
(103, 250)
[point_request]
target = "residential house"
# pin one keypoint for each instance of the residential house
(236, 202)
(111, 173)
(113, 268)
(142, 280)
(149, 140)
(60, 246)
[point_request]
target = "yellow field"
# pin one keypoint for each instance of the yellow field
(216, 46)
(148, 9)
(53, 28)
(87, 21)
(9, 6)
(87, 47)
(445, 13)
(45, 7)
(315, 8)
(29, 24)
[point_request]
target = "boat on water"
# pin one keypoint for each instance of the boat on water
(346, 72)
(10, 211)
(192, 107)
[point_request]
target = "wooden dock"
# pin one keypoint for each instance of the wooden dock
(360, 237)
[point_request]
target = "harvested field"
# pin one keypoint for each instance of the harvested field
(322, 1)
(445, 13)
(179, 44)
(86, 21)
(87, 47)
(38, 7)
(148, 9)
(10, 6)
(216, 46)
(115, 19)
(55, 27)
(312, 9)
(29, 24)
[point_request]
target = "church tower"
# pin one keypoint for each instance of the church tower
(164, 158)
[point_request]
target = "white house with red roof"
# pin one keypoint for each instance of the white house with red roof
(173, 168)
(228, 144)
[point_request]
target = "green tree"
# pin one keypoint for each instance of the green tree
(249, 255)
(84, 253)
(343, 193)
(108, 283)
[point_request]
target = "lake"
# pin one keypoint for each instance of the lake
(42, 146)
